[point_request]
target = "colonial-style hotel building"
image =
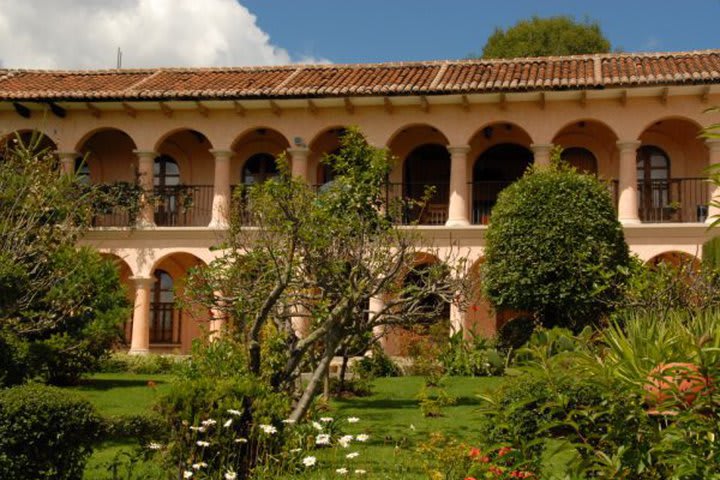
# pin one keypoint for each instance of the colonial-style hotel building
(469, 128)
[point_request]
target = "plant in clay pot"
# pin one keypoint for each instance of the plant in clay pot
(674, 384)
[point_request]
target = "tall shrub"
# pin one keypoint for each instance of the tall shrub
(45, 433)
(555, 247)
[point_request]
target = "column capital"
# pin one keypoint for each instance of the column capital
(627, 145)
(713, 144)
(458, 149)
(541, 147)
(146, 154)
(141, 282)
(68, 154)
(221, 153)
(298, 151)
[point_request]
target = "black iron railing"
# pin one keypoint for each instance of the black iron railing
(483, 196)
(422, 203)
(682, 200)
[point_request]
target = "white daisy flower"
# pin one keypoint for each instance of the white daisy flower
(198, 466)
(317, 426)
(353, 419)
(154, 446)
(288, 421)
(360, 471)
(241, 440)
(309, 461)
(326, 419)
(322, 439)
(202, 443)
(269, 429)
(352, 455)
(345, 440)
(230, 475)
(341, 471)
(208, 423)
(362, 437)
(234, 412)
(228, 423)
(187, 474)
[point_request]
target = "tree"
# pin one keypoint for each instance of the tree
(555, 247)
(318, 258)
(542, 37)
(60, 306)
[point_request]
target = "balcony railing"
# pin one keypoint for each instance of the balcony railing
(425, 203)
(682, 200)
(175, 206)
(483, 197)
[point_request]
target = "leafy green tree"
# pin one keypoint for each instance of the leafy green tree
(555, 248)
(60, 306)
(318, 258)
(542, 37)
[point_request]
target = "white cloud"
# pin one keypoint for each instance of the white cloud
(151, 33)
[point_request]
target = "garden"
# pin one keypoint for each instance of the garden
(608, 369)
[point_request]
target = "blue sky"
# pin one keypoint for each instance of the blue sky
(394, 30)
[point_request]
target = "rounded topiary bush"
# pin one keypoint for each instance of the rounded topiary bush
(555, 248)
(45, 433)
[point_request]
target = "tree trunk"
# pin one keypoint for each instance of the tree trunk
(304, 403)
(343, 372)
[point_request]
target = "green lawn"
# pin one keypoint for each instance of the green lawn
(390, 416)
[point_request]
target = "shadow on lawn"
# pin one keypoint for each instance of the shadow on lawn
(111, 383)
(399, 403)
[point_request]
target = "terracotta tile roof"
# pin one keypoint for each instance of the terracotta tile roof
(420, 78)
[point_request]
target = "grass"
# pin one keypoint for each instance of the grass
(390, 416)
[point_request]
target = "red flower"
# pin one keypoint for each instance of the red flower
(474, 452)
(504, 451)
(485, 459)
(470, 478)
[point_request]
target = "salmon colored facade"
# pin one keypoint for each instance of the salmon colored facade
(469, 128)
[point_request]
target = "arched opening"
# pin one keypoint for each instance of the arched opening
(481, 318)
(259, 168)
(32, 141)
(325, 143)
(172, 328)
(653, 175)
(494, 170)
(165, 324)
(430, 333)
(426, 180)
(106, 156)
(671, 177)
(124, 273)
(582, 159)
(183, 176)
(676, 260)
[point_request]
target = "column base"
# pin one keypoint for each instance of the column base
(630, 221)
(139, 351)
(145, 224)
(219, 225)
(457, 222)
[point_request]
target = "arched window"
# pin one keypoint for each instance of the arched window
(82, 170)
(582, 159)
(259, 168)
(653, 175)
(166, 172)
(166, 178)
(326, 173)
(429, 166)
(164, 323)
(495, 169)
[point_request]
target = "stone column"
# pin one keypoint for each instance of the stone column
(67, 161)
(541, 154)
(299, 163)
(221, 189)
(376, 305)
(140, 340)
(627, 185)
(218, 319)
(458, 207)
(146, 162)
(713, 190)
